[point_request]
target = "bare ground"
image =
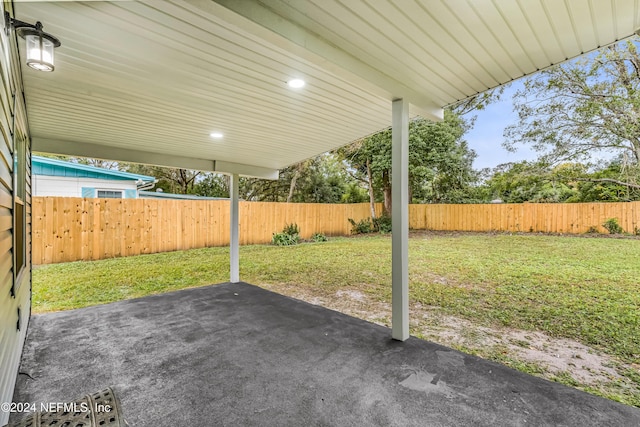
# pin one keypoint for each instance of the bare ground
(551, 355)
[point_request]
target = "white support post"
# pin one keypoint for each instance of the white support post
(400, 221)
(234, 246)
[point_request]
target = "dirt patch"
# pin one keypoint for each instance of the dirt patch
(429, 277)
(554, 355)
(354, 295)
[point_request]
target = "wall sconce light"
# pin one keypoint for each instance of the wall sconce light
(40, 45)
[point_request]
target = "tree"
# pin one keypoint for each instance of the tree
(297, 170)
(440, 161)
(212, 185)
(105, 164)
(608, 183)
(171, 180)
(536, 182)
(540, 182)
(355, 193)
(322, 179)
(359, 157)
(584, 108)
(319, 180)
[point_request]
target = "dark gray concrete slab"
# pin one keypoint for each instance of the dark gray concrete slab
(237, 355)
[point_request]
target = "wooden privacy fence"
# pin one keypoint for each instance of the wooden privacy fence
(72, 229)
(572, 218)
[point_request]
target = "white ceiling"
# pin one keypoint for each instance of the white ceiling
(149, 80)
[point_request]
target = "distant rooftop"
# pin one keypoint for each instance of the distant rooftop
(53, 167)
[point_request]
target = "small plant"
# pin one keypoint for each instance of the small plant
(291, 229)
(370, 225)
(593, 230)
(612, 226)
(636, 231)
(382, 224)
(363, 226)
(282, 239)
(289, 236)
(318, 237)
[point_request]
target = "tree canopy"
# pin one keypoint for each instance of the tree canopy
(440, 161)
(585, 110)
(569, 182)
(322, 179)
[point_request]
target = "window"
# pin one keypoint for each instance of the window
(19, 198)
(110, 194)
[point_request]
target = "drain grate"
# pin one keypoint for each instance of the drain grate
(100, 409)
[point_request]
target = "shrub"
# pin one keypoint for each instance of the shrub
(593, 230)
(613, 226)
(290, 235)
(363, 226)
(369, 225)
(291, 229)
(283, 239)
(382, 224)
(318, 237)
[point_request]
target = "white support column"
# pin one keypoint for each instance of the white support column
(234, 246)
(400, 221)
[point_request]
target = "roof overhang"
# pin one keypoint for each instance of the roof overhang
(54, 167)
(147, 81)
(101, 151)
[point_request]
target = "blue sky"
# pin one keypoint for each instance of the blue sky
(486, 137)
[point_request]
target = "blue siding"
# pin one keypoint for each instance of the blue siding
(56, 170)
(130, 194)
(88, 192)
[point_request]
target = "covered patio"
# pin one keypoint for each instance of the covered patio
(236, 354)
(249, 87)
(246, 88)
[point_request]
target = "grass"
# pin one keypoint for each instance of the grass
(585, 289)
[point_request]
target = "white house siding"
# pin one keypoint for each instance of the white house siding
(60, 186)
(15, 235)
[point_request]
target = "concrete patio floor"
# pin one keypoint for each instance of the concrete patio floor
(238, 355)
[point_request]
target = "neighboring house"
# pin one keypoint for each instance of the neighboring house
(53, 177)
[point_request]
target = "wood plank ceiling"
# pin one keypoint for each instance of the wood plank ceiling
(158, 76)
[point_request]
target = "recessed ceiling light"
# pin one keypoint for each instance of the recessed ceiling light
(296, 83)
(216, 135)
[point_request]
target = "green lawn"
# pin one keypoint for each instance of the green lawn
(586, 289)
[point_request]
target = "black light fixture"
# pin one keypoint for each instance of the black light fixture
(40, 45)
